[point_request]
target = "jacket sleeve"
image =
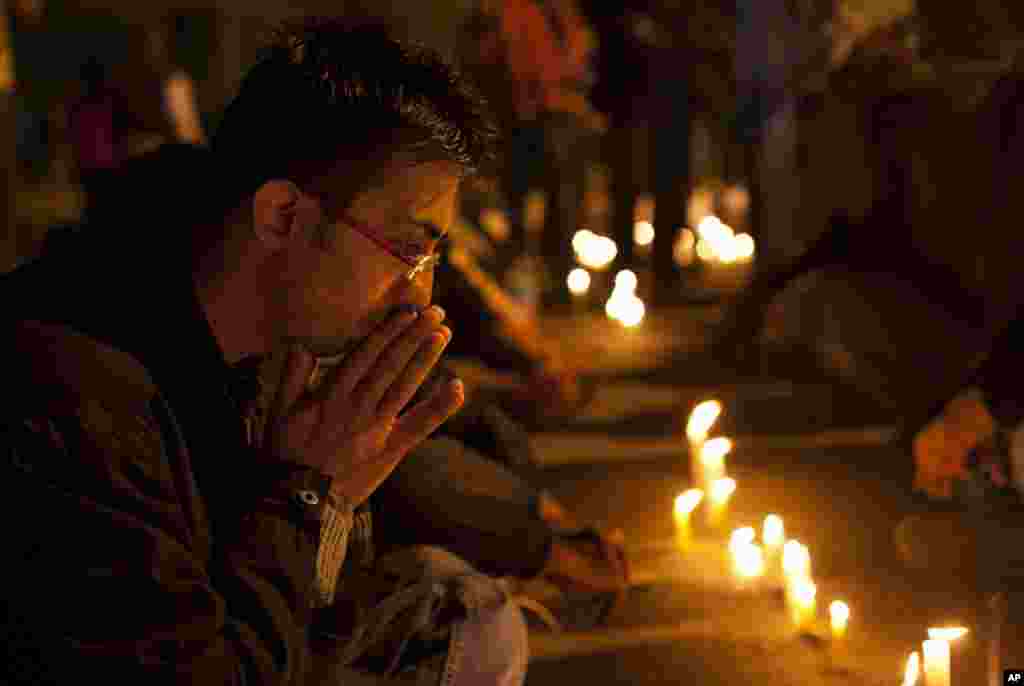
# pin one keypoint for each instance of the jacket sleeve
(446, 494)
(106, 541)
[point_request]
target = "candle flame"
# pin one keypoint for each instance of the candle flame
(594, 251)
(632, 312)
(643, 233)
(714, 451)
(702, 418)
(804, 591)
(796, 559)
(947, 633)
(578, 281)
(687, 502)
(744, 246)
(773, 532)
(913, 670)
(748, 559)
(722, 490)
(741, 537)
(839, 612)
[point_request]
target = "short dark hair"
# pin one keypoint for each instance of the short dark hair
(335, 91)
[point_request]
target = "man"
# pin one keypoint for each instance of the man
(174, 544)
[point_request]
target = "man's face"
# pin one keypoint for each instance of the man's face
(334, 294)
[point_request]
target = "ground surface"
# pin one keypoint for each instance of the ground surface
(819, 455)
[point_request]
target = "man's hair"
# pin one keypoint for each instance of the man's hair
(346, 95)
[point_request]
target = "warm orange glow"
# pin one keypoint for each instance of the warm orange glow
(626, 280)
(633, 312)
(796, 560)
(912, 672)
(687, 502)
(643, 233)
(773, 533)
(947, 633)
(713, 452)
(839, 614)
(722, 490)
(741, 537)
(748, 560)
(683, 249)
(744, 247)
(936, 662)
(578, 281)
(702, 418)
(594, 251)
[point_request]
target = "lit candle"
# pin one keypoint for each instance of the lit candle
(578, 281)
(796, 560)
(741, 537)
(773, 535)
(712, 459)
(948, 634)
(937, 654)
(839, 618)
(802, 601)
(702, 418)
(936, 662)
(747, 562)
(839, 613)
(721, 491)
(685, 504)
(913, 670)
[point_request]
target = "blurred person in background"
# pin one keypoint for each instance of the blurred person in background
(533, 58)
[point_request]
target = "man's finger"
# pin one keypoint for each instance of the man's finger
(297, 368)
(423, 418)
(367, 395)
(365, 356)
(405, 387)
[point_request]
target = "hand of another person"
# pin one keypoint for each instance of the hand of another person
(599, 566)
(350, 428)
(942, 448)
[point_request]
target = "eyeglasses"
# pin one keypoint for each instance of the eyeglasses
(418, 263)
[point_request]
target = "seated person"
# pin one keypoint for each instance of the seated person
(184, 538)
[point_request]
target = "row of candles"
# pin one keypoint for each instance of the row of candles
(717, 242)
(781, 560)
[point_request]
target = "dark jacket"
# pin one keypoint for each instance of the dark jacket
(147, 542)
(147, 537)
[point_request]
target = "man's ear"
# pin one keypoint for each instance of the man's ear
(274, 212)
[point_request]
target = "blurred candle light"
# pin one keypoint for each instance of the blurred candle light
(705, 251)
(633, 312)
(772, 533)
(683, 250)
(578, 281)
(744, 247)
(839, 616)
(773, 537)
(702, 418)
(594, 251)
(796, 560)
(685, 504)
(626, 280)
(947, 633)
(936, 662)
(712, 459)
(743, 536)
(643, 233)
(912, 672)
(802, 603)
(720, 492)
(747, 560)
